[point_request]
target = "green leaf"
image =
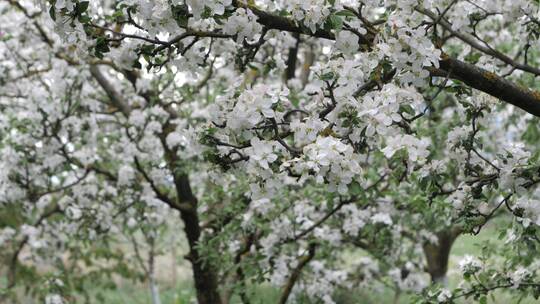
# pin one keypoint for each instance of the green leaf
(295, 101)
(147, 49)
(52, 13)
(102, 46)
(336, 22)
(82, 7)
(405, 108)
(180, 14)
(137, 64)
(355, 188)
(345, 13)
(482, 300)
(84, 19)
(328, 76)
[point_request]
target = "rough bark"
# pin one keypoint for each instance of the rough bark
(292, 59)
(490, 83)
(437, 255)
(204, 274)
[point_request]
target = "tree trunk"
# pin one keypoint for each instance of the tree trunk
(437, 255)
(292, 59)
(204, 274)
(174, 269)
(154, 290)
(309, 57)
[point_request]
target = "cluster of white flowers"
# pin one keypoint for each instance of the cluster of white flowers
(350, 74)
(379, 111)
(186, 139)
(312, 13)
(323, 281)
(519, 275)
(444, 295)
(470, 264)
(243, 24)
(6, 234)
(252, 106)
(126, 175)
(382, 218)
(54, 299)
(457, 135)
(262, 152)
(329, 161)
(417, 149)
(216, 7)
(283, 230)
(530, 207)
(306, 131)
(34, 236)
(415, 280)
(516, 157)
(409, 50)
(355, 219)
(156, 16)
(126, 56)
(347, 42)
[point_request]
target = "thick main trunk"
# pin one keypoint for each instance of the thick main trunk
(437, 255)
(203, 273)
(154, 290)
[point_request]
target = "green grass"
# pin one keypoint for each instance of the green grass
(471, 244)
(184, 293)
(128, 292)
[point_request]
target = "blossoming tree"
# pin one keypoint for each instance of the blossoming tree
(281, 137)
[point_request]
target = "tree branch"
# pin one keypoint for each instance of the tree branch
(489, 83)
(295, 275)
(116, 98)
(471, 75)
(470, 40)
